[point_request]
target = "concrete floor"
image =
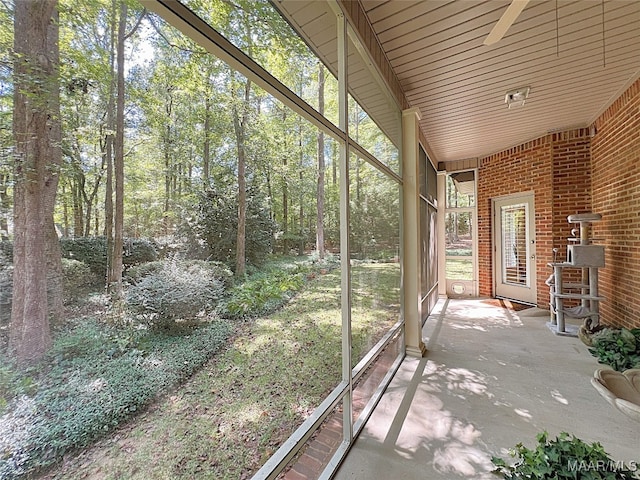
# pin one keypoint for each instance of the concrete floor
(492, 378)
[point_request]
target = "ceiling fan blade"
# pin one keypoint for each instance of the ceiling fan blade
(508, 17)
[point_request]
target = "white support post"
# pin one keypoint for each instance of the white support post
(345, 250)
(411, 236)
(441, 218)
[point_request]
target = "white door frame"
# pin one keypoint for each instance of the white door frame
(522, 285)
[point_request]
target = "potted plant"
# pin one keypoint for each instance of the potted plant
(617, 347)
(565, 457)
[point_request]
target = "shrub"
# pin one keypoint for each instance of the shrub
(618, 348)
(566, 457)
(6, 253)
(89, 250)
(6, 292)
(218, 269)
(180, 290)
(138, 251)
(263, 294)
(93, 251)
(211, 227)
(76, 275)
(136, 273)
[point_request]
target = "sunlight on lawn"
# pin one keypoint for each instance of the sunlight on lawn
(237, 410)
(233, 412)
(459, 268)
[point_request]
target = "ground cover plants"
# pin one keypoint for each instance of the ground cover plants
(217, 395)
(96, 377)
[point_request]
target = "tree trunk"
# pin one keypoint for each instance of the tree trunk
(168, 167)
(65, 212)
(334, 164)
(301, 199)
(89, 201)
(108, 149)
(269, 192)
(118, 221)
(77, 188)
(285, 210)
(320, 190)
(285, 197)
(301, 240)
(207, 142)
(239, 124)
(38, 156)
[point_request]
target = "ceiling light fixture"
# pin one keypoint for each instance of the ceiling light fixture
(517, 97)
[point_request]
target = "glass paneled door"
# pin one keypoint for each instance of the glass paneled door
(515, 249)
(460, 234)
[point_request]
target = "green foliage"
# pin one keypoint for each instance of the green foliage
(618, 348)
(264, 293)
(99, 377)
(82, 341)
(6, 289)
(566, 457)
(93, 252)
(212, 227)
(106, 370)
(136, 273)
(375, 212)
(89, 250)
(138, 251)
(178, 290)
(76, 276)
(6, 254)
(13, 382)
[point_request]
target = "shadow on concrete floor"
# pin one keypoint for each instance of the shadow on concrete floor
(493, 377)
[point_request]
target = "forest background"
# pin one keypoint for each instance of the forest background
(161, 140)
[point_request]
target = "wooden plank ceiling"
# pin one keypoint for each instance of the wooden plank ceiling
(576, 57)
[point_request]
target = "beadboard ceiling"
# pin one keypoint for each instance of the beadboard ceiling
(576, 57)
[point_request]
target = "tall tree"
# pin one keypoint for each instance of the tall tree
(6, 109)
(206, 151)
(240, 121)
(118, 164)
(320, 190)
(109, 141)
(115, 274)
(38, 155)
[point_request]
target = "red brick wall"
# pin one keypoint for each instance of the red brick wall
(615, 158)
(571, 183)
(599, 174)
(556, 168)
(525, 168)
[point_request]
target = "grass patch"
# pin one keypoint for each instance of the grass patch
(459, 268)
(375, 304)
(233, 414)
